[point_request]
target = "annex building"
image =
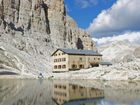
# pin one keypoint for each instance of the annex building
(73, 59)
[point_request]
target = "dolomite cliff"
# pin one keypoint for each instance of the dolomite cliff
(31, 29)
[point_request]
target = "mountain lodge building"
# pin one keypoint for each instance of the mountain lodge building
(73, 59)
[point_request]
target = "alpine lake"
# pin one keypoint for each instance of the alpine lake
(69, 92)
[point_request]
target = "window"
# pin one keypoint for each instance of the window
(60, 86)
(59, 60)
(64, 66)
(81, 87)
(59, 67)
(64, 87)
(74, 66)
(80, 59)
(98, 58)
(81, 66)
(65, 95)
(55, 60)
(63, 53)
(55, 67)
(55, 86)
(63, 59)
(74, 87)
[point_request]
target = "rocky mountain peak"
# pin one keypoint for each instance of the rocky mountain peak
(36, 28)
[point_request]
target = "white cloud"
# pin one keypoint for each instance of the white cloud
(132, 37)
(123, 16)
(86, 3)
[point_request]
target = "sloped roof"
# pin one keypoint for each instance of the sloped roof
(79, 52)
(105, 63)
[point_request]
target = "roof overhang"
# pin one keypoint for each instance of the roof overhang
(77, 53)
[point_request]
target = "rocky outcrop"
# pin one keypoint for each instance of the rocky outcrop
(119, 51)
(137, 52)
(36, 28)
(46, 18)
(76, 37)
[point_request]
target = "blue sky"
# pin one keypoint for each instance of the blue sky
(107, 18)
(84, 14)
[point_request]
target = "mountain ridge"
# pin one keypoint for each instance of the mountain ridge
(35, 28)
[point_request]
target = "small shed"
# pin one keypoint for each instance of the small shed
(105, 63)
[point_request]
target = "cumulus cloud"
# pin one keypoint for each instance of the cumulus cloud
(86, 3)
(131, 37)
(123, 16)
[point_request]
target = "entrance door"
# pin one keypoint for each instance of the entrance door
(81, 66)
(74, 66)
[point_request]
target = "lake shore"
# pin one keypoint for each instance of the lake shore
(121, 72)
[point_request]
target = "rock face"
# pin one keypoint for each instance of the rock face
(35, 28)
(137, 52)
(119, 51)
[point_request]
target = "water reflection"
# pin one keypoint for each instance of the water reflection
(64, 92)
(25, 92)
(46, 92)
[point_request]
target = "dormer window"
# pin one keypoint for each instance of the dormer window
(63, 53)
